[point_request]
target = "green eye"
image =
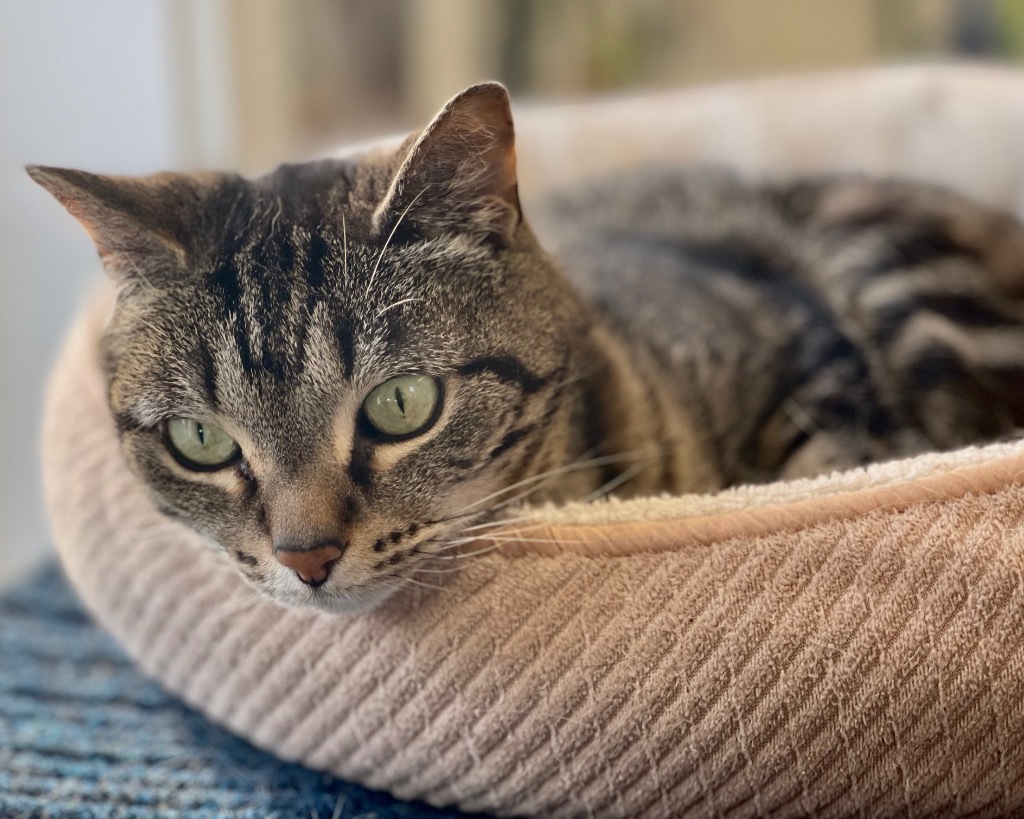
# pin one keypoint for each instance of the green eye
(199, 445)
(403, 406)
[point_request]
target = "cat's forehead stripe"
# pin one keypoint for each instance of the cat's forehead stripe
(317, 255)
(345, 334)
(209, 373)
(265, 299)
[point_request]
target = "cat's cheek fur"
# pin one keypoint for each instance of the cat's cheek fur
(209, 502)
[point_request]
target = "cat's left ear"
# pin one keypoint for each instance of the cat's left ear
(459, 176)
(142, 226)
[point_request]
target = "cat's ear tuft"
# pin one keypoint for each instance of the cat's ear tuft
(459, 175)
(136, 222)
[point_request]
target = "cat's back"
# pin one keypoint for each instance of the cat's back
(659, 244)
(700, 272)
(841, 304)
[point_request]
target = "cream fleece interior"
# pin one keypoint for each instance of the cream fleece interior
(853, 643)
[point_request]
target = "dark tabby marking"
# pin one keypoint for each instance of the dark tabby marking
(248, 560)
(689, 331)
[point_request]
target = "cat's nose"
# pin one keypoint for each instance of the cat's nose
(313, 566)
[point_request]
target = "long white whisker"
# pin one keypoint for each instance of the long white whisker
(448, 544)
(415, 582)
(572, 379)
(550, 479)
(458, 542)
(490, 524)
(449, 570)
(277, 215)
(807, 425)
(464, 555)
(549, 475)
(395, 304)
(517, 539)
(513, 539)
(615, 482)
(391, 584)
(138, 271)
(391, 235)
(344, 245)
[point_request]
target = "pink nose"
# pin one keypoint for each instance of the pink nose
(313, 566)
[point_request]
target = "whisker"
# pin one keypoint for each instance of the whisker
(452, 570)
(448, 544)
(502, 522)
(511, 487)
(277, 215)
(396, 304)
(582, 375)
(441, 544)
(512, 539)
(494, 542)
(549, 475)
(391, 235)
(614, 483)
(501, 531)
(464, 555)
(415, 582)
(517, 539)
(554, 477)
(391, 585)
(344, 245)
(803, 421)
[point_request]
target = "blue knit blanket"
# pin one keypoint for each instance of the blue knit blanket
(83, 734)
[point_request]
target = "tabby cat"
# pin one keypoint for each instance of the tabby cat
(348, 367)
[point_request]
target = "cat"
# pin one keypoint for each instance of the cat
(346, 368)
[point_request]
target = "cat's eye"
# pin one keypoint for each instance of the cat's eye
(199, 445)
(403, 406)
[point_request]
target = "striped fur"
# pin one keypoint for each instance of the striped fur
(688, 331)
(811, 325)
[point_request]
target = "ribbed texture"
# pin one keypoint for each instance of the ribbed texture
(829, 663)
(83, 735)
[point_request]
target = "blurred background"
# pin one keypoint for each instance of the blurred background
(135, 86)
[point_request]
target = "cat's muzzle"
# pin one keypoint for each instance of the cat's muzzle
(311, 566)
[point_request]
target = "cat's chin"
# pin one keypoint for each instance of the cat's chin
(335, 601)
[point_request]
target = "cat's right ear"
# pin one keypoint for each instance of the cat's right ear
(459, 174)
(140, 225)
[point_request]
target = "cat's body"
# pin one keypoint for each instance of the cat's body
(346, 368)
(806, 326)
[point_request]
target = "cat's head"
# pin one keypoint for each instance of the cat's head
(330, 370)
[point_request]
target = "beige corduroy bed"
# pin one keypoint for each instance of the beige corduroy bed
(854, 643)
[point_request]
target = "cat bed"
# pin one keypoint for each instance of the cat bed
(845, 644)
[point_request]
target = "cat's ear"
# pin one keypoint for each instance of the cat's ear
(459, 175)
(141, 225)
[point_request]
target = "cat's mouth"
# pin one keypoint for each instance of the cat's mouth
(338, 581)
(352, 599)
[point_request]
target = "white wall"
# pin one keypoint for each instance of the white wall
(96, 85)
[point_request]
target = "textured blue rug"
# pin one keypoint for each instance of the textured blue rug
(82, 734)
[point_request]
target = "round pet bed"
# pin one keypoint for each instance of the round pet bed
(853, 643)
